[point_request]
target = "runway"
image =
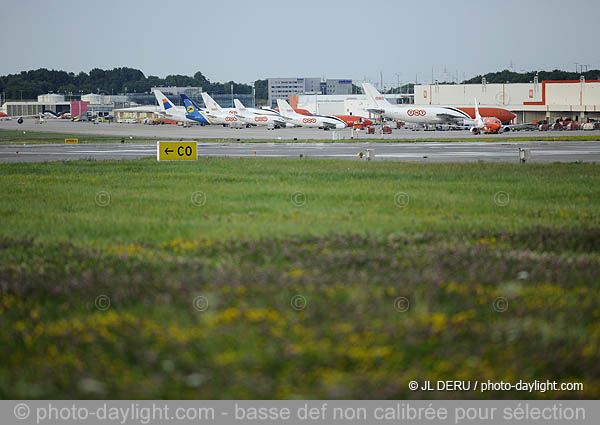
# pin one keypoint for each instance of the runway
(173, 132)
(588, 151)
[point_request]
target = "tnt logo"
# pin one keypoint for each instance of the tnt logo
(230, 118)
(309, 120)
(260, 119)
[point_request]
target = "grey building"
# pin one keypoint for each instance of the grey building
(283, 88)
(335, 86)
(176, 91)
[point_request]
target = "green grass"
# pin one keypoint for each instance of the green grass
(250, 295)
(250, 198)
(9, 137)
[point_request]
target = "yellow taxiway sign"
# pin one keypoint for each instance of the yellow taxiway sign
(71, 141)
(176, 151)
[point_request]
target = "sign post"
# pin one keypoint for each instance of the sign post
(176, 151)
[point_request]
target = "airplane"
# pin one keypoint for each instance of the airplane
(504, 115)
(355, 121)
(218, 115)
(167, 110)
(413, 113)
(194, 112)
(258, 117)
(487, 125)
(319, 121)
(41, 117)
(297, 110)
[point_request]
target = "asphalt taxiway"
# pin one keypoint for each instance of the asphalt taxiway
(173, 132)
(587, 151)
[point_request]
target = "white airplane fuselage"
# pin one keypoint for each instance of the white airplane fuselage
(315, 121)
(227, 116)
(423, 114)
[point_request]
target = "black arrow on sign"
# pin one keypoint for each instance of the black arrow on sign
(167, 150)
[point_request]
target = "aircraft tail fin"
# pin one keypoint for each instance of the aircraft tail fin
(164, 103)
(284, 108)
(374, 96)
(190, 106)
(238, 105)
(477, 116)
(210, 103)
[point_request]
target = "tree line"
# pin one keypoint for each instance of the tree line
(30, 84)
(507, 76)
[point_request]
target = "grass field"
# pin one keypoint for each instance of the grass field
(8, 137)
(246, 278)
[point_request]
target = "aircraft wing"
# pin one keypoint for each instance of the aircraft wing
(244, 118)
(450, 118)
(376, 110)
(522, 126)
(328, 125)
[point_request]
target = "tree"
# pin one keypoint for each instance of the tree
(261, 89)
(31, 84)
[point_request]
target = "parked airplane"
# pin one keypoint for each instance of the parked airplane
(319, 121)
(218, 115)
(297, 110)
(415, 114)
(504, 115)
(194, 112)
(167, 110)
(355, 121)
(487, 125)
(258, 117)
(41, 117)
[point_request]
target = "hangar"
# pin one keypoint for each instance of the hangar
(535, 101)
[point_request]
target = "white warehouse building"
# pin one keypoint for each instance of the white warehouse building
(547, 100)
